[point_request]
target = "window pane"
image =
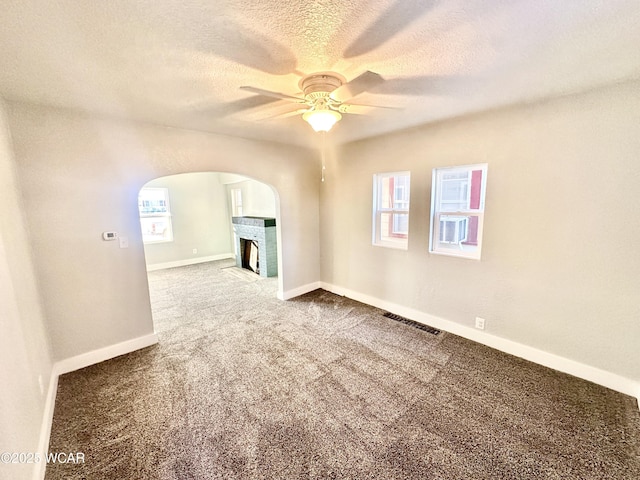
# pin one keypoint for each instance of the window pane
(155, 215)
(400, 224)
(386, 223)
(453, 229)
(152, 201)
(401, 192)
(394, 226)
(457, 210)
(236, 202)
(156, 229)
(457, 234)
(391, 209)
(454, 191)
(386, 192)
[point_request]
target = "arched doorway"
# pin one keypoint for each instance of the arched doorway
(187, 228)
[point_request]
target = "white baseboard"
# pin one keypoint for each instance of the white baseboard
(562, 364)
(296, 292)
(189, 261)
(45, 428)
(102, 354)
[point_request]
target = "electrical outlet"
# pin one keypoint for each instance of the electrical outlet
(195, 250)
(480, 323)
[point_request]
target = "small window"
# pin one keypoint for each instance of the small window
(155, 215)
(236, 202)
(391, 193)
(457, 210)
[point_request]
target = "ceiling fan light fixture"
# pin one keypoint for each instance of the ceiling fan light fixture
(321, 120)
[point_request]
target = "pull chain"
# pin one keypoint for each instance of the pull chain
(323, 152)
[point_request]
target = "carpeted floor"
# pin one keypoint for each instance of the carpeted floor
(244, 386)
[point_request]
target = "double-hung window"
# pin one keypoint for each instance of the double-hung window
(155, 215)
(457, 210)
(391, 194)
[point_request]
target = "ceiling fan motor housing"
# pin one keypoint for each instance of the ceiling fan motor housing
(320, 85)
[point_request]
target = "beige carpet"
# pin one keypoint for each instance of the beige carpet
(242, 273)
(243, 386)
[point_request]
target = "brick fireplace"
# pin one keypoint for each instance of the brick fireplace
(256, 244)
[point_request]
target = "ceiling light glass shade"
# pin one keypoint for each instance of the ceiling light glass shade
(321, 120)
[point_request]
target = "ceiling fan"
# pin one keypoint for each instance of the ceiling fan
(325, 97)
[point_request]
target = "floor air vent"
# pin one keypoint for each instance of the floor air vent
(406, 321)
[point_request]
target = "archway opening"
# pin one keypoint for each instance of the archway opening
(202, 232)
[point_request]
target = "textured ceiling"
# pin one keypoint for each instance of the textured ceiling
(181, 63)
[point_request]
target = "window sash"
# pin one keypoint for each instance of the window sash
(391, 207)
(391, 232)
(457, 214)
(155, 215)
(157, 231)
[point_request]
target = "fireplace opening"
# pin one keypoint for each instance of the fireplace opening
(250, 255)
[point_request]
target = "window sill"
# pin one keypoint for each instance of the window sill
(459, 254)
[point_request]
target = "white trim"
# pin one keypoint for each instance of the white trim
(296, 292)
(189, 261)
(562, 364)
(45, 428)
(102, 354)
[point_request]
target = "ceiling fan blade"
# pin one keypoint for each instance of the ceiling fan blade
(299, 111)
(361, 83)
(269, 93)
(252, 103)
(265, 109)
(355, 109)
(283, 111)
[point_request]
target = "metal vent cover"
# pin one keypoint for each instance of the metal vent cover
(412, 323)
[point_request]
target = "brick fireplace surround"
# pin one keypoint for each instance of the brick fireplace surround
(261, 230)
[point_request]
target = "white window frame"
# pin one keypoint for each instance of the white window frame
(457, 222)
(164, 212)
(402, 240)
(236, 202)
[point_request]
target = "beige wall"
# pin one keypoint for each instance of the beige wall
(257, 199)
(560, 270)
(81, 176)
(199, 217)
(25, 364)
